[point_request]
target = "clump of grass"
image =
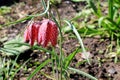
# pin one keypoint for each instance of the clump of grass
(4, 10)
(107, 24)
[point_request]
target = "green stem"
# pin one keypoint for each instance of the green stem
(52, 58)
(54, 63)
(60, 43)
(61, 58)
(45, 7)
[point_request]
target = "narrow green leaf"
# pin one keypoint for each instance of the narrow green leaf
(100, 20)
(99, 11)
(77, 0)
(69, 59)
(79, 39)
(83, 73)
(38, 68)
(111, 11)
(9, 52)
(34, 47)
(93, 6)
(10, 49)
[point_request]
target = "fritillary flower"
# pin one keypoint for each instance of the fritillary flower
(48, 32)
(31, 33)
(43, 32)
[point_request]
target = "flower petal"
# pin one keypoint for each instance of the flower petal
(32, 34)
(53, 34)
(43, 34)
(37, 25)
(26, 36)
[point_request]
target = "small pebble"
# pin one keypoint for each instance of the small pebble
(111, 70)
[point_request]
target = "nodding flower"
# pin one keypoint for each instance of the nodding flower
(43, 32)
(48, 32)
(31, 33)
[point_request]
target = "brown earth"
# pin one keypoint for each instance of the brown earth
(102, 66)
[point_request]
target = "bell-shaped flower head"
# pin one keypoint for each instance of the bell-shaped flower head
(48, 32)
(31, 33)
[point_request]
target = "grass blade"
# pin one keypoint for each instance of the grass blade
(111, 11)
(92, 5)
(19, 68)
(83, 73)
(38, 68)
(69, 59)
(79, 39)
(100, 20)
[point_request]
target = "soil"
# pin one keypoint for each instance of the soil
(102, 66)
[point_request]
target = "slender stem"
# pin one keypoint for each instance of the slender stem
(61, 58)
(52, 58)
(59, 20)
(60, 42)
(46, 10)
(45, 7)
(54, 63)
(61, 53)
(57, 73)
